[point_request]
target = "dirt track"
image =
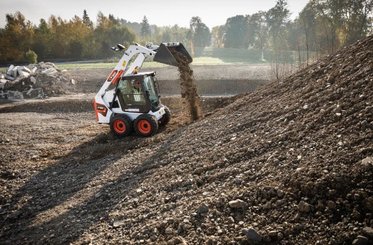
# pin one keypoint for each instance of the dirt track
(289, 164)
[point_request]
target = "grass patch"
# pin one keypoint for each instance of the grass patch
(151, 64)
(100, 65)
(87, 65)
(208, 61)
(84, 66)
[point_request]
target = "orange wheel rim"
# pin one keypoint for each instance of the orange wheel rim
(144, 126)
(119, 126)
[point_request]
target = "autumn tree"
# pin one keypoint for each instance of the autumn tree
(110, 32)
(16, 38)
(79, 38)
(359, 19)
(42, 39)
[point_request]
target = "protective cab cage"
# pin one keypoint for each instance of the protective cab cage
(137, 93)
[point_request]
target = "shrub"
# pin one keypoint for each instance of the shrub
(31, 57)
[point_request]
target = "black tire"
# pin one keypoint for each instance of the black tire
(165, 118)
(145, 125)
(120, 125)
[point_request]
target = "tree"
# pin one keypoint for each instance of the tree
(332, 24)
(145, 28)
(171, 34)
(16, 38)
(31, 57)
(276, 18)
(359, 19)
(109, 32)
(307, 20)
(200, 35)
(259, 29)
(236, 32)
(217, 34)
(86, 20)
(41, 40)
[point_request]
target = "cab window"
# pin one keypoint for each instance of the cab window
(131, 91)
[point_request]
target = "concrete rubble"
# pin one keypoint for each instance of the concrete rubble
(34, 81)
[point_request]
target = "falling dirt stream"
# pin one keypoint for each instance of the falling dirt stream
(188, 88)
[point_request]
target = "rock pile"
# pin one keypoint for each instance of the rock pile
(34, 81)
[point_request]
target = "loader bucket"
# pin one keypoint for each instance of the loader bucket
(172, 54)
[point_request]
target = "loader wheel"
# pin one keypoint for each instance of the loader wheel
(146, 125)
(166, 117)
(121, 125)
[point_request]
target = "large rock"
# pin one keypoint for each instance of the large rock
(252, 235)
(238, 203)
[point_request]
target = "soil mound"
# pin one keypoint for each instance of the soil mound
(289, 164)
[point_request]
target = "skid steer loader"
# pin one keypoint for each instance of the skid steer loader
(129, 100)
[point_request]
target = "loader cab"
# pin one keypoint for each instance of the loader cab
(138, 93)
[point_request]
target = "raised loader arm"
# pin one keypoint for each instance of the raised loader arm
(130, 63)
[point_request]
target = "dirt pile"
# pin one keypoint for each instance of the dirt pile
(289, 164)
(188, 87)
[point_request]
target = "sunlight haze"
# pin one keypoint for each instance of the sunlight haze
(160, 13)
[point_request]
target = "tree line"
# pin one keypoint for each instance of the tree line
(321, 27)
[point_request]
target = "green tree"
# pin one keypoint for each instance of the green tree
(331, 24)
(217, 35)
(200, 35)
(358, 19)
(331, 17)
(31, 57)
(145, 28)
(276, 19)
(171, 34)
(307, 20)
(236, 32)
(258, 28)
(86, 20)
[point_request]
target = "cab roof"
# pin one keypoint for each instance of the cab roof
(140, 74)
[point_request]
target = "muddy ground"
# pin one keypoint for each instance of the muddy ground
(291, 163)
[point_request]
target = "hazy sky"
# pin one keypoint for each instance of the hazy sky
(158, 12)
